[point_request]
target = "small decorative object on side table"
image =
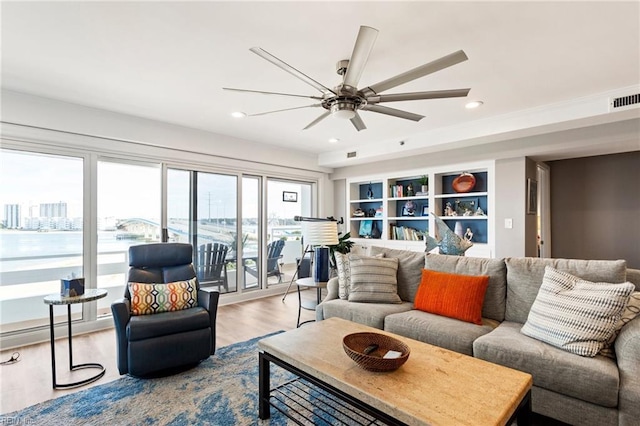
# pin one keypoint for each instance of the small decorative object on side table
(56, 299)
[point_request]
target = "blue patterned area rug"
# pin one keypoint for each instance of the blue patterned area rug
(222, 390)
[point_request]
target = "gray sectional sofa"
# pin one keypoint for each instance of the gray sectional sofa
(573, 389)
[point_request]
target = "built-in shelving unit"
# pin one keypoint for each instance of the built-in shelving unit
(394, 211)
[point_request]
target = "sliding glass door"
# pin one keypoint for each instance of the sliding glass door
(251, 231)
(286, 199)
(201, 210)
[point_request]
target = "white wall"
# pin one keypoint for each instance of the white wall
(510, 184)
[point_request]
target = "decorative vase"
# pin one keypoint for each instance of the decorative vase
(458, 229)
(370, 192)
(424, 188)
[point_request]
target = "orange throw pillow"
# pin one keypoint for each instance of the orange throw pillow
(452, 295)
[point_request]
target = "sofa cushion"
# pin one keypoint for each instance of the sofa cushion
(149, 326)
(436, 330)
(595, 380)
(575, 315)
(147, 299)
(373, 280)
(410, 265)
(524, 278)
(494, 299)
(630, 312)
(371, 314)
(452, 295)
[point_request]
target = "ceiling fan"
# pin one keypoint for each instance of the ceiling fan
(346, 99)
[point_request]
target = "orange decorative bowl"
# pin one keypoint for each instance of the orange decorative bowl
(464, 183)
(367, 350)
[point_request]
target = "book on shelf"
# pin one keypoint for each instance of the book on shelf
(422, 194)
(405, 233)
(396, 191)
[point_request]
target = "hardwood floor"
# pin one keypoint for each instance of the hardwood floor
(29, 381)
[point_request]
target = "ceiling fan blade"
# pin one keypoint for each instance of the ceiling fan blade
(364, 43)
(317, 120)
(281, 110)
(393, 112)
(421, 71)
(358, 123)
(288, 68)
(272, 93)
(416, 96)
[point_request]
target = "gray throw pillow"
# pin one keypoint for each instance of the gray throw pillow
(410, 265)
(373, 280)
(576, 315)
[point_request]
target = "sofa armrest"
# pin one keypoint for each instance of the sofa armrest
(627, 348)
(332, 293)
(332, 289)
(121, 311)
(209, 300)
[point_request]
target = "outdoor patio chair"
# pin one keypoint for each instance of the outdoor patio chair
(211, 265)
(274, 254)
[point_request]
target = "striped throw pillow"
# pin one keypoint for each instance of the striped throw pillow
(343, 265)
(576, 315)
(374, 280)
(147, 299)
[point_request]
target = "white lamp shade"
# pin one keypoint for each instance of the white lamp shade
(321, 233)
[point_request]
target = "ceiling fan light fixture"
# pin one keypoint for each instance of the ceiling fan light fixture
(238, 114)
(334, 140)
(343, 110)
(473, 104)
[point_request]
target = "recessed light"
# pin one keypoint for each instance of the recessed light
(473, 104)
(334, 140)
(238, 114)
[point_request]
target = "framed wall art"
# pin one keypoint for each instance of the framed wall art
(290, 197)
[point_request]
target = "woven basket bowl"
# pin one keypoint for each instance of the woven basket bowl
(355, 344)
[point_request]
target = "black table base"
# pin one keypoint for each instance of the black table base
(72, 367)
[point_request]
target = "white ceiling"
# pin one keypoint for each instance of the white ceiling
(168, 61)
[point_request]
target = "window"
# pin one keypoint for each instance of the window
(129, 208)
(41, 233)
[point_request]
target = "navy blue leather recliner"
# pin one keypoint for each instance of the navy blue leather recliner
(149, 344)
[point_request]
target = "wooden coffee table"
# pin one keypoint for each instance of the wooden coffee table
(435, 386)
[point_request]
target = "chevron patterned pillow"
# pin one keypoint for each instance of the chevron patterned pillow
(147, 299)
(575, 315)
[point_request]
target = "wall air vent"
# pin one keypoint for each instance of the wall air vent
(351, 154)
(624, 102)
